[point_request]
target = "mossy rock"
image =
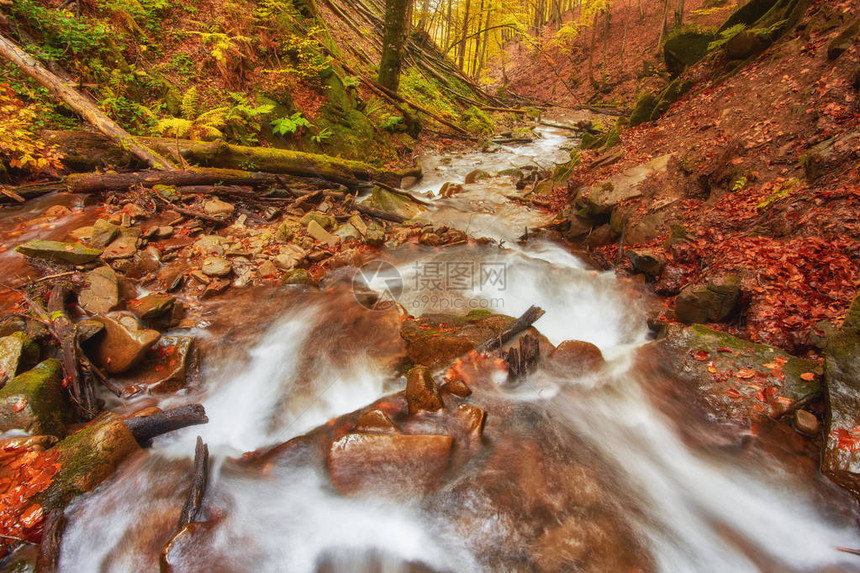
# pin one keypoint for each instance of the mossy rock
(748, 43)
(643, 110)
(36, 401)
(714, 302)
(733, 374)
(58, 252)
(323, 220)
(670, 94)
(299, 277)
(686, 48)
(385, 200)
(748, 14)
(434, 340)
(17, 353)
(590, 141)
(87, 458)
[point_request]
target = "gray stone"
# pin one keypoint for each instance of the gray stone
(216, 267)
(57, 252)
(103, 233)
(102, 293)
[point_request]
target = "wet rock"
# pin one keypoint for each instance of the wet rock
(17, 352)
(169, 366)
(210, 245)
(347, 258)
(375, 235)
(430, 239)
(323, 220)
(299, 277)
(139, 266)
(841, 457)
(576, 357)
(399, 466)
(422, 394)
(647, 261)
(601, 236)
(35, 401)
(358, 224)
(471, 419)
(103, 233)
(152, 305)
(475, 176)
(738, 379)
(456, 387)
(88, 328)
(291, 257)
(87, 458)
(101, 295)
(806, 423)
(218, 208)
(288, 230)
(375, 422)
(123, 247)
(121, 348)
(57, 252)
(600, 199)
(393, 203)
(215, 287)
(316, 231)
(267, 269)
(449, 189)
(434, 340)
(216, 267)
(347, 232)
(713, 302)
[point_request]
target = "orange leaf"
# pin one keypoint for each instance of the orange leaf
(20, 405)
(808, 376)
(745, 373)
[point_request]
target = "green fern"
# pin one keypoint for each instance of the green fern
(190, 106)
(289, 125)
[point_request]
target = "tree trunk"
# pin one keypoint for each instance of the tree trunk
(395, 35)
(679, 14)
(663, 25)
(461, 56)
(79, 103)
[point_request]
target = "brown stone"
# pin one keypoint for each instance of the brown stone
(375, 422)
(456, 387)
(421, 391)
(102, 294)
(806, 423)
(123, 247)
(400, 466)
(119, 348)
(576, 357)
(152, 305)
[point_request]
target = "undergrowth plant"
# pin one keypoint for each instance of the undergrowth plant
(20, 147)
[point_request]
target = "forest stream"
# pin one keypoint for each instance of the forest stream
(573, 469)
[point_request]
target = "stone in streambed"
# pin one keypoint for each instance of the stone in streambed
(123, 247)
(35, 401)
(399, 466)
(456, 387)
(647, 261)
(152, 305)
(17, 352)
(475, 176)
(434, 340)
(218, 208)
(121, 348)
(103, 233)
(323, 220)
(375, 422)
(291, 256)
(101, 295)
(576, 357)
(167, 367)
(806, 423)
(58, 252)
(422, 394)
(216, 267)
(316, 231)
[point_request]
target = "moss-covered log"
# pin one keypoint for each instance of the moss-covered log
(268, 160)
(100, 182)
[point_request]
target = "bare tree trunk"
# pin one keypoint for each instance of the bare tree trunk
(679, 14)
(663, 24)
(397, 21)
(79, 103)
(461, 57)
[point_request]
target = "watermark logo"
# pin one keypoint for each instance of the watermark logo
(385, 282)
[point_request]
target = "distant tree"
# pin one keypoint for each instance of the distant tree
(398, 17)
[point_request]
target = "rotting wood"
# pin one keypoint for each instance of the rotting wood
(145, 428)
(198, 485)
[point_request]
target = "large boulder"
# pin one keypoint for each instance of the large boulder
(713, 302)
(123, 344)
(58, 252)
(684, 49)
(394, 203)
(399, 466)
(841, 458)
(36, 401)
(738, 379)
(601, 198)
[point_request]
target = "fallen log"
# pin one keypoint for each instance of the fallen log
(528, 318)
(80, 103)
(198, 485)
(145, 428)
(270, 160)
(101, 182)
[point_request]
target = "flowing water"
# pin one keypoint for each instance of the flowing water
(595, 468)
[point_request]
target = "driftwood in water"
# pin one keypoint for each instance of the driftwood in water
(80, 103)
(528, 318)
(49, 549)
(198, 485)
(145, 428)
(522, 360)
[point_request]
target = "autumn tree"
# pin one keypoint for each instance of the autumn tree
(398, 17)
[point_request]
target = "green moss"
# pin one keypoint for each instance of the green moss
(40, 400)
(685, 48)
(478, 313)
(643, 110)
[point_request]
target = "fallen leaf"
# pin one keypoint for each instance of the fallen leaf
(808, 376)
(745, 373)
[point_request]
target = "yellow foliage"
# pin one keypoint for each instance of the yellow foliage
(20, 147)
